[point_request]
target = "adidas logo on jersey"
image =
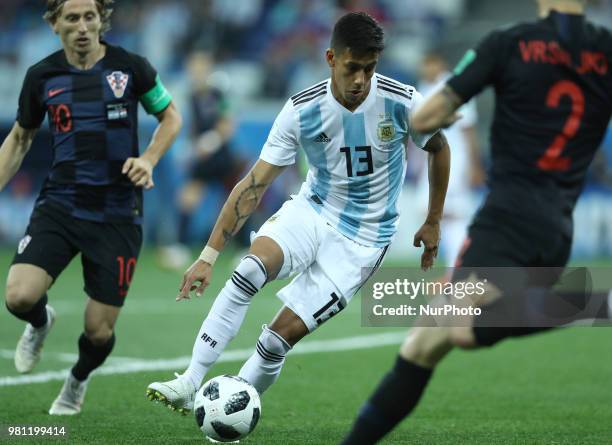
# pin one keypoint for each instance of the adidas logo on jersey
(322, 138)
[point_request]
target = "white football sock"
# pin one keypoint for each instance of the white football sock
(263, 367)
(225, 317)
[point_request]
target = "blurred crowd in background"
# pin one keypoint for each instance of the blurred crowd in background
(272, 46)
(231, 64)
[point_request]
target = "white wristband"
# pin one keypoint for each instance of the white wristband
(209, 255)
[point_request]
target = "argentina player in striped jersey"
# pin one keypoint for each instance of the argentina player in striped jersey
(353, 128)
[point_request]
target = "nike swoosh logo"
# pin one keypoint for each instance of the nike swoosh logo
(56, 91)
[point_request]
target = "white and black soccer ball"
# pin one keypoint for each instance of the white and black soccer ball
(227, 408)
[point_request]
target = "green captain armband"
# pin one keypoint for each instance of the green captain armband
(157, 98)
(467, 59)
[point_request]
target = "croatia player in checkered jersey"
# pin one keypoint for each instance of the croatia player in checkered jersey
(353, 128)
(91, 201)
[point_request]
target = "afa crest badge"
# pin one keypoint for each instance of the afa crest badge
(386, 130)
(118, 81)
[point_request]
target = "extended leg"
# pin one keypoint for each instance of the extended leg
(401, 389)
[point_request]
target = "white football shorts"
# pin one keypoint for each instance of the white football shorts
(329, 267)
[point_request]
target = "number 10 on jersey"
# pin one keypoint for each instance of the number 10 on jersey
(365, 165)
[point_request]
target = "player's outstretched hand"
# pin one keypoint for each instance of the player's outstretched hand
(199, 272)
(429, 236)
(140, 172)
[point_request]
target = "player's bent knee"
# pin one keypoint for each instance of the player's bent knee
(20, 297)
(99, 335)
(25, 285)
(270, 254)
(99, 338)
(462, 337)
(426, 346)
(250, 275)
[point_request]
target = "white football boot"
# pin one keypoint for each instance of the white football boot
(29, 346)
(178, 394)
(70, 398)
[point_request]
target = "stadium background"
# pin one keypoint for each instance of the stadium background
(266, 50)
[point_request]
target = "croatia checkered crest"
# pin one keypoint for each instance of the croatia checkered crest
(118, 81)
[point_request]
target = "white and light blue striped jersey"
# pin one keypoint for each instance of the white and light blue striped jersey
(357, 160)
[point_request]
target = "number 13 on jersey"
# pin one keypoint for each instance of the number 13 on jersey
(365, 165)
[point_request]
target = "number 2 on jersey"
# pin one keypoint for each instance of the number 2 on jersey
(552, 159)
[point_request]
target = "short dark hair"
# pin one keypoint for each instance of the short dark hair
(54, 9)
(358, 31)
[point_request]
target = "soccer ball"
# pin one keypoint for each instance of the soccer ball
(227, 408)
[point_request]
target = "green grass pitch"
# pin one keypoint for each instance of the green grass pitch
(550, 389)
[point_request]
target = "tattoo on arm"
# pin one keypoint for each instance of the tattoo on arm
(245, 205)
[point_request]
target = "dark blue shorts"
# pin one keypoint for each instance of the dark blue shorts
(109, 251)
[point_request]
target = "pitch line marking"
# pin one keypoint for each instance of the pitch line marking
(67, 357)
(132, 366)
